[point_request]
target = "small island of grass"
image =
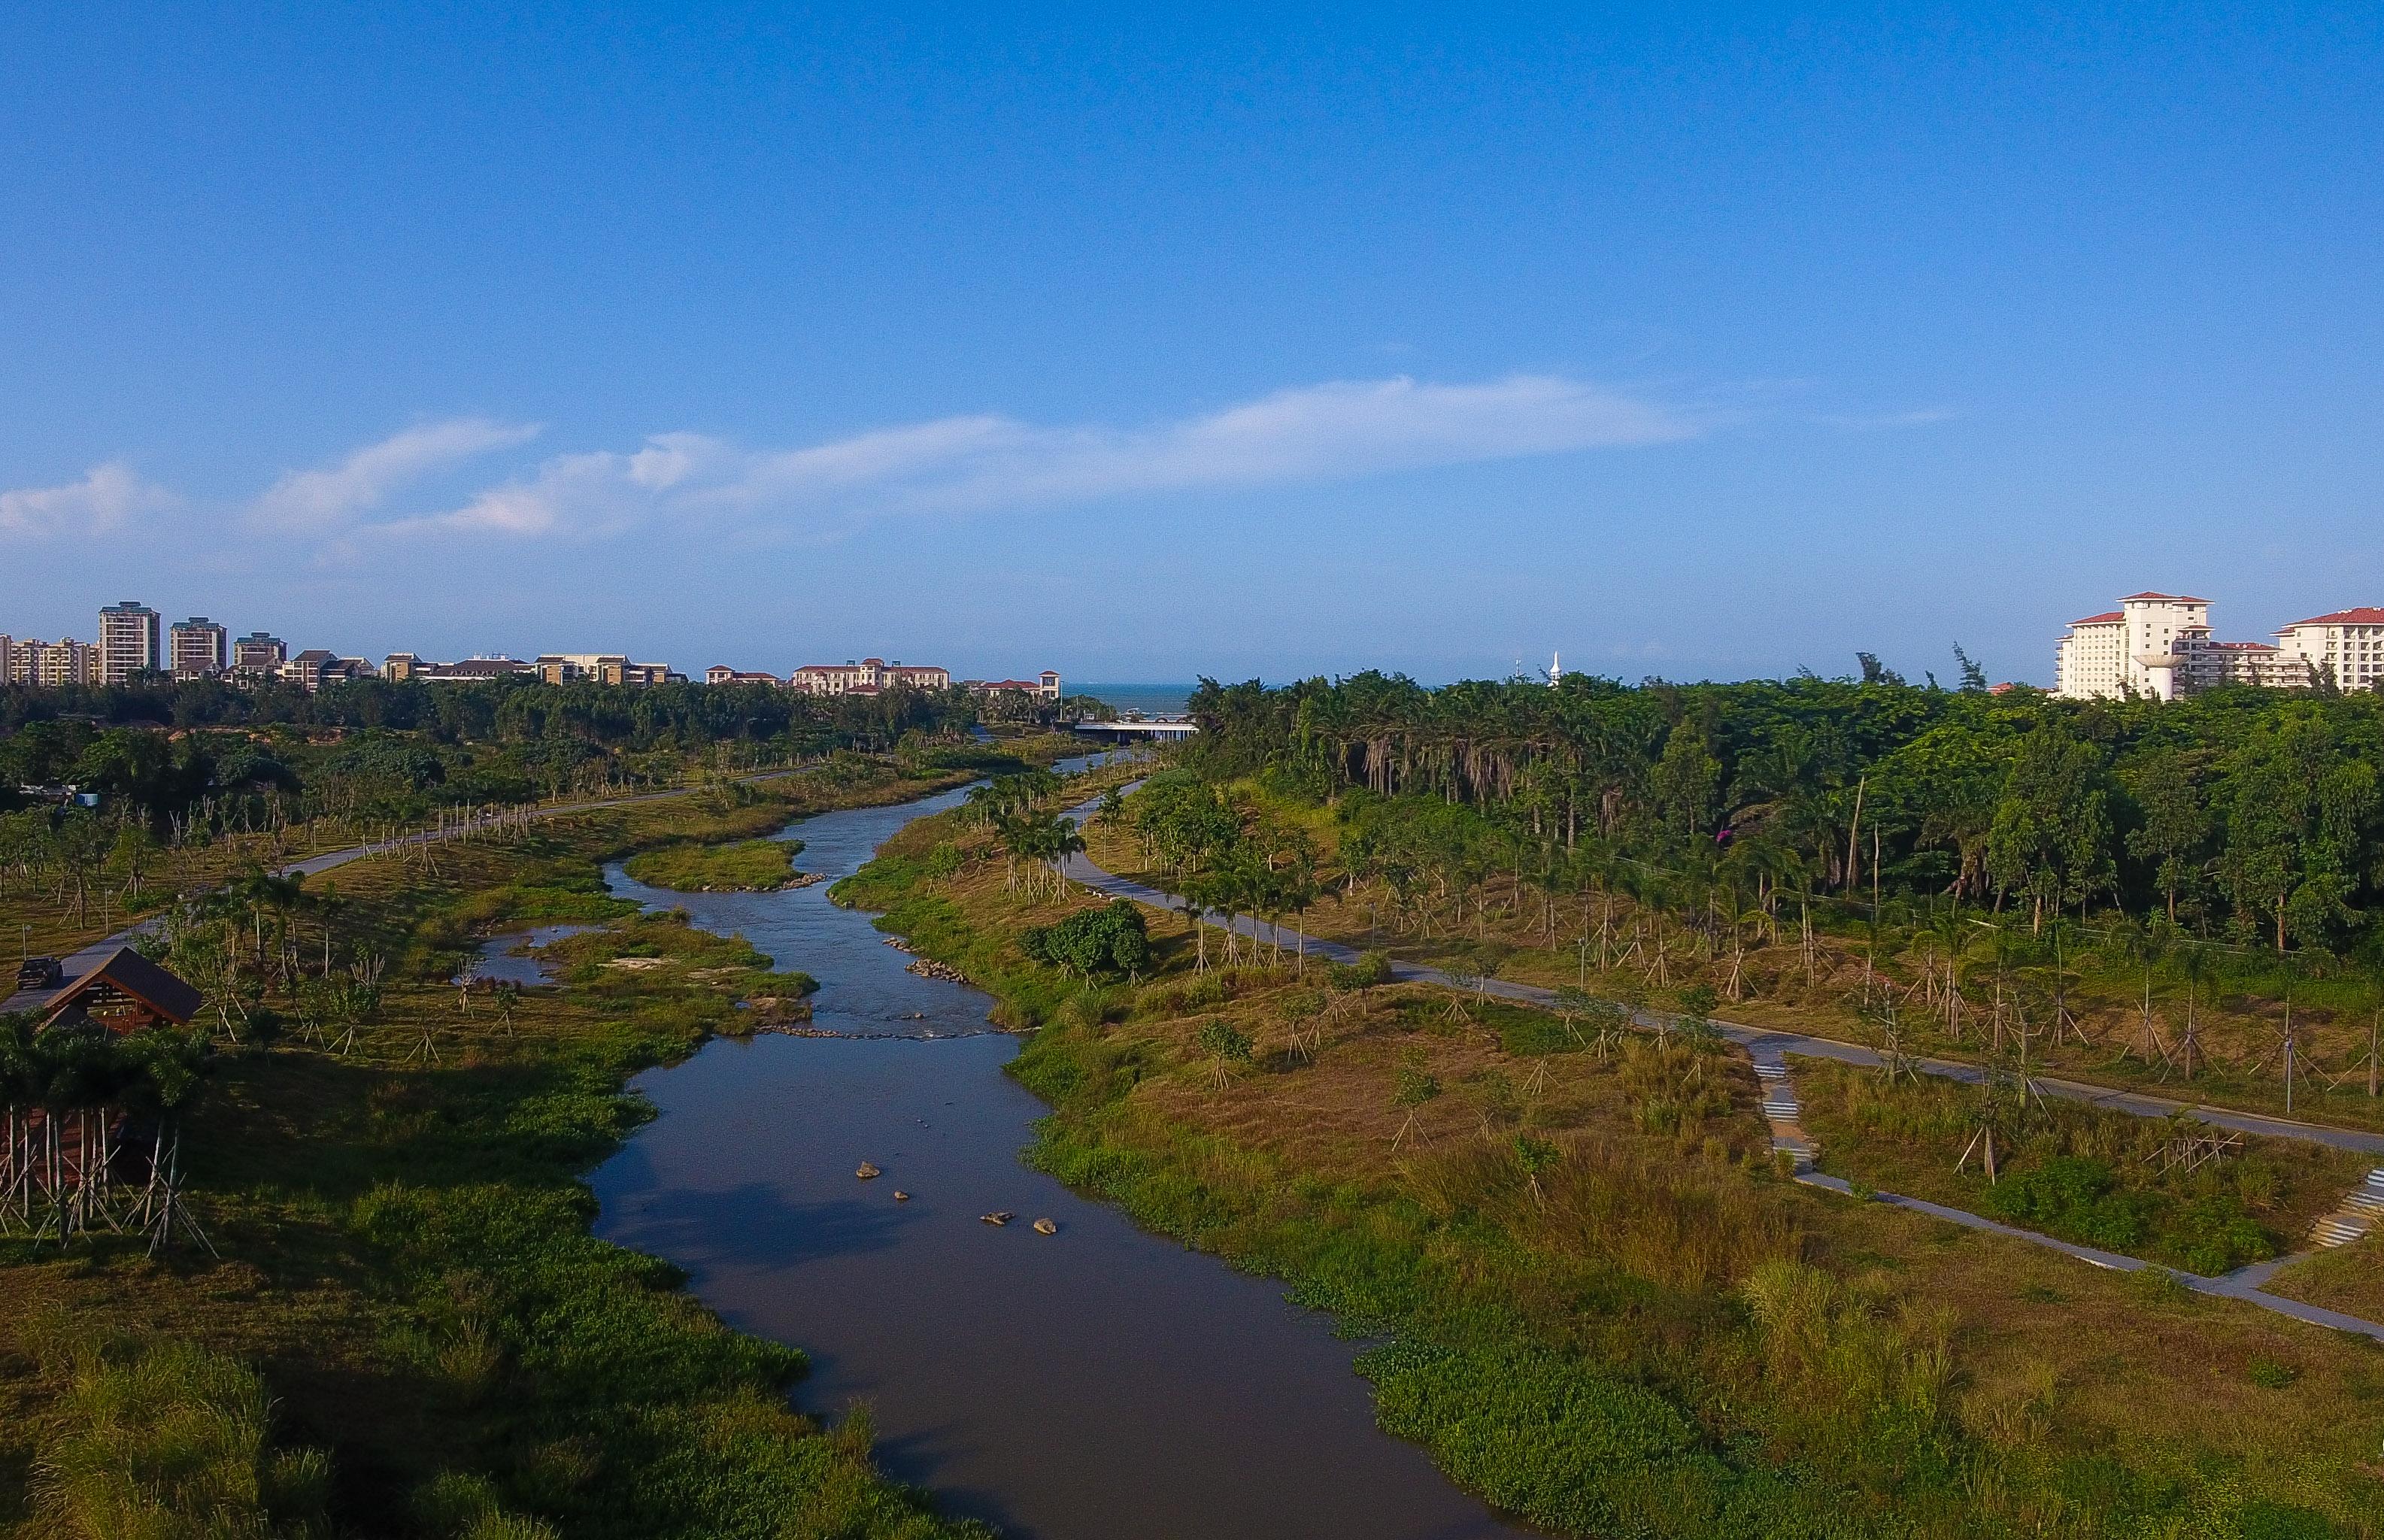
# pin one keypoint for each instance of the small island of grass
(746, 866)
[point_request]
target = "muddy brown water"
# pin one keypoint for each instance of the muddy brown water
(1099, 1383)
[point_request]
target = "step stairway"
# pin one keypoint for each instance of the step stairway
(2359, 1214)
(1779, 1097)
(1781, 1112)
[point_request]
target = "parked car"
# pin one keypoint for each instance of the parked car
(39, 973)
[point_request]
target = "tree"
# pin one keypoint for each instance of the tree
(1112, 940)
(2052, 830)
(1974, 679)
(2296, 810)
(1685, 780)
(2176, 824)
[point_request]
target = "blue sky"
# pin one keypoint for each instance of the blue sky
(1226, 342)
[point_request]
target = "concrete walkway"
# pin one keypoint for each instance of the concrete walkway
(1770, 1048)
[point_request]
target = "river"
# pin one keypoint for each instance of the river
(1100, 1384)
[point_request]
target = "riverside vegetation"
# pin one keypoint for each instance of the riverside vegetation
(2181, 896)
(1601, 1305)
(746, 866)
(410, 1331)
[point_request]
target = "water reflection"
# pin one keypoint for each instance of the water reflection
(1096, 1384)
(512, 958)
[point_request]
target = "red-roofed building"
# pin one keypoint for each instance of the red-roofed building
(721, 674)
(2159, 645)
(2346, 646)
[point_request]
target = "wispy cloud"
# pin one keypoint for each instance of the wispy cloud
(330, 499)
(1336, 432)
(107, 497)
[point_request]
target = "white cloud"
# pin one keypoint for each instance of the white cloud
(323, 501)
(105, 498)
(1336, 432)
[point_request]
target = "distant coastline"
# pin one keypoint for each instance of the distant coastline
(1152, 699)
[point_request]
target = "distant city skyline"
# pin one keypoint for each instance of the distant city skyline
(1700, 345)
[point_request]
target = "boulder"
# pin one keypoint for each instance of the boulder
(867, 1171)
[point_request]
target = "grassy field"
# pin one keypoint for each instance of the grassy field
(1621, 950)
(745, 866)
(1602, 1308)
(411, 1332)
(2084, 1174)
(2349, 1278)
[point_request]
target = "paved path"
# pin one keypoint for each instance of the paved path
(1770, 1048)
(73, 966)
(1760, 1040)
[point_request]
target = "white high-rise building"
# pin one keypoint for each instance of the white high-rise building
(2159, 646)
(2346, 646)
(2153, 645)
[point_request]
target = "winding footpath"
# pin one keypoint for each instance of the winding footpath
(1770, 1048)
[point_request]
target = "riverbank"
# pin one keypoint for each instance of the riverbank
(1607, 1313)
(407, 1268)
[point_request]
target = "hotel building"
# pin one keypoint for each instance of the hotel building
(869, 676)
(2346, 646)
(2159, 646)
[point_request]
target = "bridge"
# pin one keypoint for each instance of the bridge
(1162, 730)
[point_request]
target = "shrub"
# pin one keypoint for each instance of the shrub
(2076, 1198)
(1112, 940)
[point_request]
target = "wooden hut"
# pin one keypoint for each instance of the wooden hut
(125, 992)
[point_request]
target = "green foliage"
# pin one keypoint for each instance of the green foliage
(1221, 1040)
(1414, 1087)
(1110, 940)
(1371, 970)
(746, 866)
(2079, 1199)
(164, 1440)
(2015, 798)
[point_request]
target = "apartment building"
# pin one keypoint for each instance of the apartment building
(51, 663)
(317, 668)
(868, 677)
(407, 666)
(604, 668)
(2346, 646)
(196, 648)
(259, 654)
(128, 641)
(721, 674)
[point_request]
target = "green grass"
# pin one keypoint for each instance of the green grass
(746, 866)
(1644, 1331)
(409, 1281)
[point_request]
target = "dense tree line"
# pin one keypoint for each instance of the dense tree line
(510, 711)
(2246, 813)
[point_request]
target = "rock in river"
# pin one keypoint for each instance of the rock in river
(867, 1171)
(1000, 1216)
(1044, 1227)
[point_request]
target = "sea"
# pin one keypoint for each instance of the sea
(1150, 700)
